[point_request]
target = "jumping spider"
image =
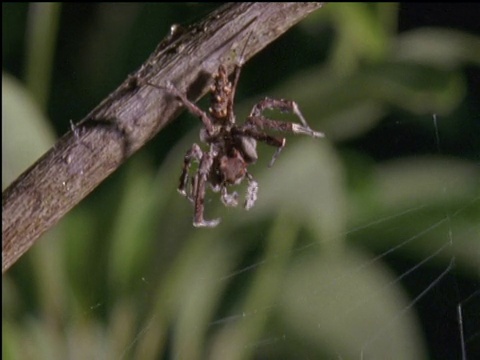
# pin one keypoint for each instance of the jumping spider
(232, 147)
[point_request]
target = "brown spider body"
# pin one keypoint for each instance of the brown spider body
(221, 92)
(232, 147)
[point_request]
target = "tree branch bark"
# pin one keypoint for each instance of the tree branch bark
(133, 114)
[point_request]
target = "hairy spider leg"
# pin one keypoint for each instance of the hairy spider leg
(194, 154)
(229, 199)
(194, 109)
(257, 121)
(284, 106)
(236, 77)
(230, 103)
(199, 188)
(252, 191)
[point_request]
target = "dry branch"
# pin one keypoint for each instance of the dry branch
(133, 114)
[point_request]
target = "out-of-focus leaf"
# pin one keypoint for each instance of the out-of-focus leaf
(133, 229)
(80, 253)
(412, 181)
(439, 185)
(306, 182)
(41, 40)
(26, 133)
(187, 294)
(426, 207)
(11, 337)
(414, 87)
(351, 306)
(205, 264)
(361, 36)
(438, 47)
(347, 107)
(258, 306)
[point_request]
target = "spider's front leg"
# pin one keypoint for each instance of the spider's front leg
(199, 188)
(283, 105)
(257, 121)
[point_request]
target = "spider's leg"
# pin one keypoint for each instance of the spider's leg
(194, 154)
(229, 199)
(283, 105)
(194, 109)
(200, 183)
(236, 74)
(252, 191)
(231, 97)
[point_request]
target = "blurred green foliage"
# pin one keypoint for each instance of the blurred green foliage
(314, 270)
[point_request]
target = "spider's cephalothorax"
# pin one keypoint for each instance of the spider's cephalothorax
(232, 147)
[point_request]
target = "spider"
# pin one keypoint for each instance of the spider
(231, 147)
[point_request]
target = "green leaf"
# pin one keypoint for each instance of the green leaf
(438, 47)
(26, 133)
(350, 306)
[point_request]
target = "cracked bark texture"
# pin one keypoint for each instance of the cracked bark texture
(133, 114)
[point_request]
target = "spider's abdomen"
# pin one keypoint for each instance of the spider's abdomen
(233, 169)
(220, 95)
